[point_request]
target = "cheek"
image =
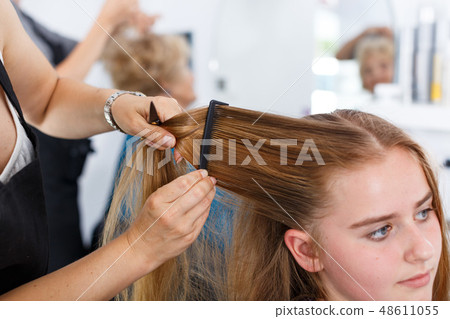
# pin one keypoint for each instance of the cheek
(362, 261)
(361, 267)
(434, 235)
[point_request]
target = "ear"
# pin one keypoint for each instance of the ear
(301, 246)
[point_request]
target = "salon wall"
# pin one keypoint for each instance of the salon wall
(254, 54)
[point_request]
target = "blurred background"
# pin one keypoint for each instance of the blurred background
(283, 56)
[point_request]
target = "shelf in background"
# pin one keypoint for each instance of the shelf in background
(414, 116)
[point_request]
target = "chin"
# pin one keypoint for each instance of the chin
(427, 296)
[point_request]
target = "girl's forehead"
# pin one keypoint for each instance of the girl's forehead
(376, 56)
(393, 183)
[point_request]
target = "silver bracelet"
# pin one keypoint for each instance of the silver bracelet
(109, 102)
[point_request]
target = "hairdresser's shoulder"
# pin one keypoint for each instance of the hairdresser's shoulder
(7, 11)
(8, 20)
(2, 24)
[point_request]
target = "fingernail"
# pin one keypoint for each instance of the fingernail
(204, 172)
(179, 160)
(167, 141)
(213, 180)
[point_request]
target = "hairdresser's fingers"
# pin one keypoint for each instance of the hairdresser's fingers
(177, 156)
(192, 194)
(151, 19)
(191, 205)
(116, 12)
(154, 136)
(196, 200)
(131, 113)
(143, 22)
(182, 185)
(166, 108)
(201, 210)
(197, 226)
(165, 229)
(191, 222)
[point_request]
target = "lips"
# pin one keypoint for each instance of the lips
(417, 281)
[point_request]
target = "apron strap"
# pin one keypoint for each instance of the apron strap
(5, 82)
(7, 87)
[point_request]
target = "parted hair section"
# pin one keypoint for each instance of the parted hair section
(133, 58)
(276, 176)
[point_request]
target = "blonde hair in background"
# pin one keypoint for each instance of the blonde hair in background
(374, 44)
(247, 259)
(161, 56)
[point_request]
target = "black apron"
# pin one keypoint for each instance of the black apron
(23, 221)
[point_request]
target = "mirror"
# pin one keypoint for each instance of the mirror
(341, 28)
(412, 55)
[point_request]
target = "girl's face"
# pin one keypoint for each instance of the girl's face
(376, 68)
(383, 231)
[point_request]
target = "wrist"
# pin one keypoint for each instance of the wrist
(107, 109)
(140, 252)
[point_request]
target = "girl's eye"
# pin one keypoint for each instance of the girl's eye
(381, 233)
(423, 214)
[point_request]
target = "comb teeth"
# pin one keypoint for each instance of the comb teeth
(207, 132)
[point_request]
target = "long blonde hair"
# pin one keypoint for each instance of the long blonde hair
(246, 258)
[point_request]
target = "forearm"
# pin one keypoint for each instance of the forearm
(78, 63)
(113, 14)
(74, 111)
(98, 276)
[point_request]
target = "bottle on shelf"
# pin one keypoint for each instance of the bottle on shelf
(424, 49)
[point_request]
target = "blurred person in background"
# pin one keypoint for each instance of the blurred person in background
(159, 65)
(374, 50)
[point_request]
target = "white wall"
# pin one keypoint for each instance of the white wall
(262, 47)
(265, 51)
(357, 15)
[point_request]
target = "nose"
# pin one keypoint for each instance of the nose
(380, 76)
(419, 249)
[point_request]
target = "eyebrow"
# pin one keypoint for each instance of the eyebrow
(373, 220)
(424, 199)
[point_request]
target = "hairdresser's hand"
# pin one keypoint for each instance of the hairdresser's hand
(131, 113)
(347, 50)
(172, 218)
(117, 12)
(143, 22)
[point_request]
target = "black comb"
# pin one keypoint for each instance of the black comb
(207, 132)
(153, 117)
